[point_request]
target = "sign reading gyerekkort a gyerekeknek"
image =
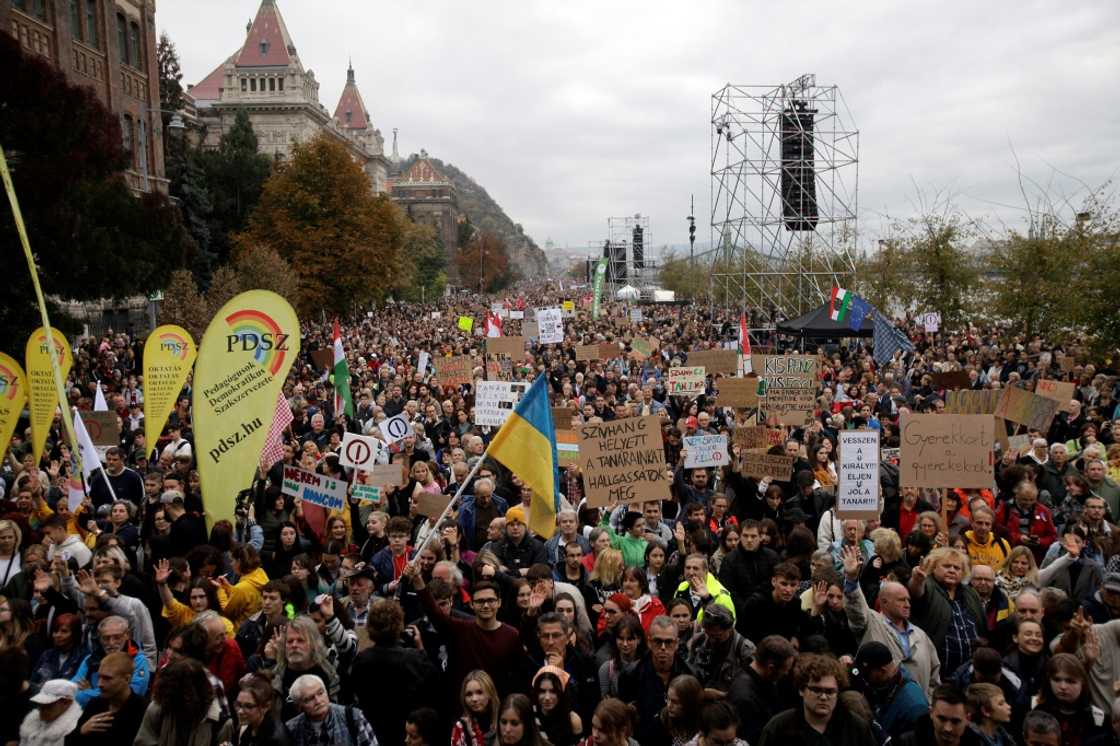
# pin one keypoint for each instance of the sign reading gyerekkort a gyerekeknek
(242, 362)
(317, 489)
(857, 494)
(623, 461)
(946, 450)
(704, 451)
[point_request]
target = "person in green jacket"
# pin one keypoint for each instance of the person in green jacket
(631, 542)
(700, 587)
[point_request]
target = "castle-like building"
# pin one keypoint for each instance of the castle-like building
(267, 79)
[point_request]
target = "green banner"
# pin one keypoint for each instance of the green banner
(600, 275)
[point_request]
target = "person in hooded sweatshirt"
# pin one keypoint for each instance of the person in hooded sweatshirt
(55, 718)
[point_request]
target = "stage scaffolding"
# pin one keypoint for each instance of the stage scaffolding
(629, 265)
(784, 196)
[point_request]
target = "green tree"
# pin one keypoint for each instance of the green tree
(689, 280)
(484, 263)
(184, 305)
(945, 273)
(427, 277)
(185, 170)
(885, 278)
(235, 176)
(319, 212)
(1035, 273)
(170, 79)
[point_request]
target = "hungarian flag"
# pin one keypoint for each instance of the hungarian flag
(493, 325)
(343, 402)
(745, 364)
(838, 304)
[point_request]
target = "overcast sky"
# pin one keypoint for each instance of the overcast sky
(569, 112)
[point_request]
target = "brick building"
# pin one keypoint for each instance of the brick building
(110, 46)
(428, 197)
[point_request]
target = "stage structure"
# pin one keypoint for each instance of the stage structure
(784, 195)
(627, 246)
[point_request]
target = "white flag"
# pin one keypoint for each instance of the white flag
(99, 403)
(91, 462)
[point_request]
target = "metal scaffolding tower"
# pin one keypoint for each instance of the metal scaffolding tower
(784, 195)
(628, 246)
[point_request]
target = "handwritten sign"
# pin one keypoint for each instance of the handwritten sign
(370, 493)
(951, 379)
(454, 371)
(623, 461)
(1060, 391)
(323, 359)
(386, 475)
(947, 450)
(430, 503)
(316, 489)
(789, 386)
(857, 494)
(512, 346)
(567, 447)
(550, 322)
(715, 361)
(588, 352)
(494, 401)
(640, 348)
(762, 465)
(607, 350)
(1025, 408)
(757, 437)
(704, 451)
(972, 402)
(104, 428)
(562, 418)
(686, 380)
(741, 393)
(636, 315)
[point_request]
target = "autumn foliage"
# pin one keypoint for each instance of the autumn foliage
(484, 258)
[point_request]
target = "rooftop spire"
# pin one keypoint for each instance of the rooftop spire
(396, 156)
(350, 70)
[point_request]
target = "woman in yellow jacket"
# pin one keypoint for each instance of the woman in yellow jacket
(201, 594)
(244, 598)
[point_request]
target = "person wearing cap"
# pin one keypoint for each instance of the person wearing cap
(719, 653)
(176, 444)
(896, 699)
(55, 718)
(517, 550)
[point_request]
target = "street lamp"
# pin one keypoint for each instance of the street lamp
(176, 127)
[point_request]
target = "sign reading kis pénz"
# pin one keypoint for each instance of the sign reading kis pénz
(1060, 391)
(494, 401)
(686, 380)
(705, 450)
(762, 465)
(243, 360)
(857, 494)
(790, 387)
(947, 450)
(313, 488)
(623, 461)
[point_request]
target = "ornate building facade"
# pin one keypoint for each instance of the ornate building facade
(267, 79)
(427, 196)
(109, 46)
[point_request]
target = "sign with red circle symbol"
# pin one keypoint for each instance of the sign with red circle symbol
(360, 451)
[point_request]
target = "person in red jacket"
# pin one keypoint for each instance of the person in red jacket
(1026, 522)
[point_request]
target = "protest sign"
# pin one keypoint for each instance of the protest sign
(715, 361)
(857, 491)
(1019, 444)
(931, 321)
(454, 371)
(13, 396)
(1060, 391)
(494, 401)
(169, 354)
(686, 380)
(43, 394)
(568, 307)
(789, 386)
(395, 429)
(705, 451)
(104, 428)
(465, 323)
(516, 315)
(562, 418)
(640, 348)
(972, 402)
(422, 361)
(741, 393)
(322, 359)
(587, 352)
(951, 379)
(1067, 363)
(636, 315)
(431, 504)
(550, 322)
(370, 493)
(316, 489)
(1025, 408)
(758, 437)
(436, 314)
(607, 350)
(762, 465)
(243, 360)
(529, 330)
(361, 452)
(947, 450)
(623, 461)
(567, 447)
(386, 475)
(512, 346)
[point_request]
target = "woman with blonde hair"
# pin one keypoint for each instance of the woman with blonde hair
(886, 564)
(949, 610)
(606, 576)
(478, 699)
(1019, 572)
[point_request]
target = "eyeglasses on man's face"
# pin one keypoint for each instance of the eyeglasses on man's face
(663, 642)
(824, 692)
(485, 601)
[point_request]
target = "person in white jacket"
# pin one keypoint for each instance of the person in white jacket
(63, 543)
(56, 717)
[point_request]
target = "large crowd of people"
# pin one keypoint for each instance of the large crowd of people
(741, 610)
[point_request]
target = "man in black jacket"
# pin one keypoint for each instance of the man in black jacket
(758, 693)
(646, 685)
(518, 551)
(777, 610)
(748, 568)
(817, 721)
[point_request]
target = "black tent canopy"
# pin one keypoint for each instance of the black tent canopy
(818, 325)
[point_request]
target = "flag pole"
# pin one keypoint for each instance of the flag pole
(452, 501)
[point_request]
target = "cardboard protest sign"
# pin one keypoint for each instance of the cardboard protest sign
(640, 348)
(686, 380)
(972, 402)
(715, 361)
(386, 475)
(757, 438)
(1019, 444)
(494, 401)
(323, 359)
(951, 379)
(1025, 408)
(1060, 391)
(454, 371)
(789, 386)
(607, 350)
(316, 489)
(587, 352)
(1067, 363)
(705, 451)
(430, 504)
(529, 329)
(512, 346)
(762, 465)
(857, 491)
(104, 428)
(361, 451)
(169, 354)
(243, 361)
(741, 393)
(562, 418)
(550, 322)
(623, 461)
(567, 447)
(947, 450)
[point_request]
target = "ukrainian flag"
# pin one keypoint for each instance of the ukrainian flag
(526, 445)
